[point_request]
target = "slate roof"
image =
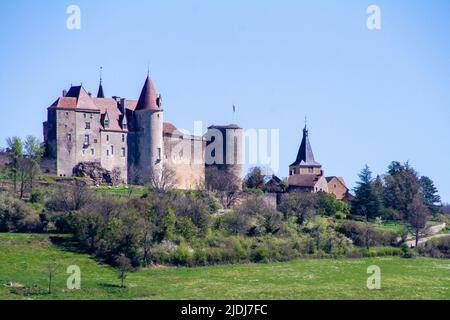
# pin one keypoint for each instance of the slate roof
(305, 154)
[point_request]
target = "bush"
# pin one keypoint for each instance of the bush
(436, 248)
(357, 232)
(37, 196)
(15, 216)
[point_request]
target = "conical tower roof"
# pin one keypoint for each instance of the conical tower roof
(147, 99)
(305, 154)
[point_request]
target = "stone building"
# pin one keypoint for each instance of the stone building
(305, 174)
(131, 138)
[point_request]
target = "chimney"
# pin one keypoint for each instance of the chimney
(64, 93)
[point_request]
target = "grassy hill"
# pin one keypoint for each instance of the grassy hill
(24, 260)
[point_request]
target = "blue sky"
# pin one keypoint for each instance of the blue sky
(370, 96)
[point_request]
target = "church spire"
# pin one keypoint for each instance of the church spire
(305, 154)
(100, 93)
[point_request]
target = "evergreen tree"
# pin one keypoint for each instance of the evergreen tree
(430, 194)
(367, 201)
(401, 186)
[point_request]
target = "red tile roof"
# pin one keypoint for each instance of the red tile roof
(115, 116)
(76, 98)
(303, 180)
(169, 128)
(147, 100)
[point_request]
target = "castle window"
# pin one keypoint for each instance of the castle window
(123, 138)
(69, 137)
(67, 114)
(106, 123)
(123, 152)
(95, 141)
(310, 170)
(92, 152)
(92, 116)
(84, 115)
(159, 153)
(112, 150)
(107, 152)
(86, 139)
(107, 137)
(88, 125)
(335, 186)
(83, 152)
(124, 126)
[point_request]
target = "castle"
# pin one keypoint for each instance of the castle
(130, 138)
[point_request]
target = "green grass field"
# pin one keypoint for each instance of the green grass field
(24, 260)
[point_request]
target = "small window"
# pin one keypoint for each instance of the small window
(92, 152)
(84, 115)
(107, 152)
(125, 126)
(69, 137)
(310, 170)
(83, 152)
(159, 153)
(123, 138)
(106, 123)
(67, 114)
(112, 150)
(107, 137)
(92, 116)
(86, 139)
(123, 152)
(95, 141)
(88, 125)
(335, 186)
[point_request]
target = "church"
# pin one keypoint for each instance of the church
(307, 175)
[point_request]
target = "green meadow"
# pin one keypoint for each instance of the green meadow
(24, 261)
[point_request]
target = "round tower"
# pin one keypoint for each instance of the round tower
(149, 133)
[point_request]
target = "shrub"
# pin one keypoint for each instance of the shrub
(436, 248)
(357, 232)
(37, 196)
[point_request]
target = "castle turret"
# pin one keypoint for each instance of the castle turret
(224, 148)
(149, 132)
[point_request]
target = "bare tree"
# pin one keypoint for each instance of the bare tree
(418, 215)
(68, 198)
(225, 183)
(162, 178)
(124, 266)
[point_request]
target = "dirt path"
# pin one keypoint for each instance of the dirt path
(432, 231)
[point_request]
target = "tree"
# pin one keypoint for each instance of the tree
(367, 201)
(401, 186)
(124, 265)
(417, 215)
(26, 158)
(50, 271)
(15, 145)
(225, 183)
(255, 179)
(162, 178)
(430, 194)
(301, 205)
(34, 151)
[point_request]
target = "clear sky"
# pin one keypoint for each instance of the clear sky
(370, 96)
